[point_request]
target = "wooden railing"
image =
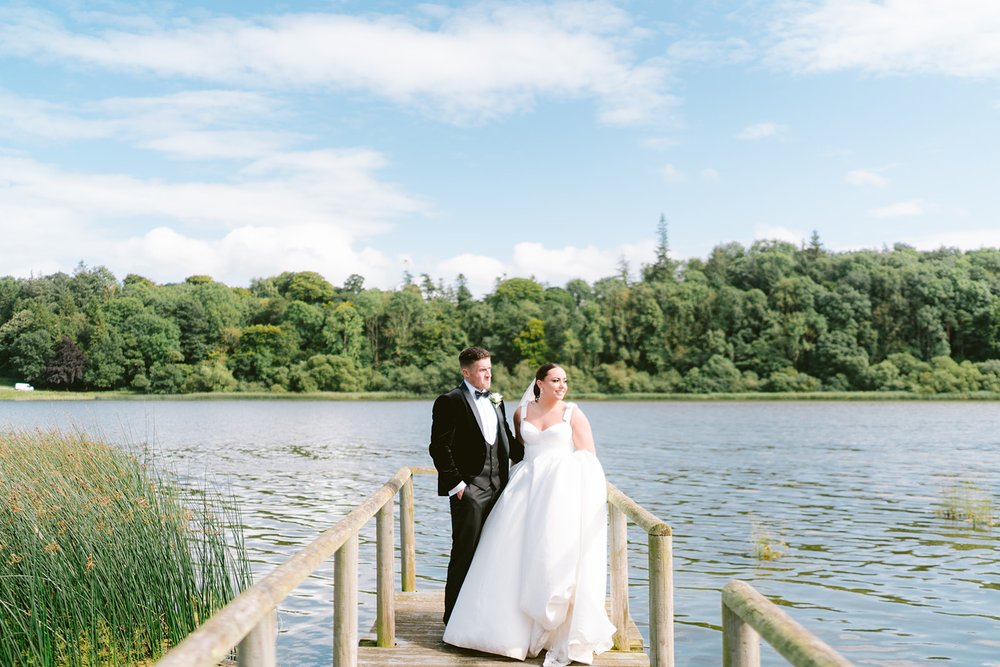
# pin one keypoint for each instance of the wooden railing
(747, 616)
(661, 576)
(249, 621)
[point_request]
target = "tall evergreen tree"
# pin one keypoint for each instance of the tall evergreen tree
(663, 268)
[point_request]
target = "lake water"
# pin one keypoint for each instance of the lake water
(850, 493)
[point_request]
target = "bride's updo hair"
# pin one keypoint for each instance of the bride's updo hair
(543, 370)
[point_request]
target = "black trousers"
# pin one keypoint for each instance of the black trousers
(467, 517)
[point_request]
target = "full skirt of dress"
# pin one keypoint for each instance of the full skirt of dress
(538, 578)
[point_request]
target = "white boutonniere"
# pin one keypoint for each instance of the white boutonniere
(495, 398)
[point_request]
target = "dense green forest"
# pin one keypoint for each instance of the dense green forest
(773, 317)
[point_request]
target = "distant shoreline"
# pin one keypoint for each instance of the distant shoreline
(11, 395)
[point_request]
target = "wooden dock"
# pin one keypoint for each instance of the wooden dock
(408, 625)
(418, 641)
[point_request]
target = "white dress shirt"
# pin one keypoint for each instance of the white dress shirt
(487, 414)
(488, 417)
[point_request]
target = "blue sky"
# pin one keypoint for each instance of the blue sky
(242, 139)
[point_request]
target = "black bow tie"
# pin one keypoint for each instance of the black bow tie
(481, 394)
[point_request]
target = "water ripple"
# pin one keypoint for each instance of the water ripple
(850, 494)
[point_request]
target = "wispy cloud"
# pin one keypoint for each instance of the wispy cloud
(866, 177)
(659, 143)
(710, 175)
(903, 209)
(464, 65)
(958, 38)
(190, 125)
(729, 51)
(758, 131)
(672, 175)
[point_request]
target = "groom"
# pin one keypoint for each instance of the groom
(472, 447)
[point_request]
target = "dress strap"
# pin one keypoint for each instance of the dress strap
(568, 414)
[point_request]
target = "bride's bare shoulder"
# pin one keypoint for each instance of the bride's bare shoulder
(577, 416)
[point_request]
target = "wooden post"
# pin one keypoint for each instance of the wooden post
(385, 613)
(345, 604)
(661, 597)
(748, 617)
(740, 642)
(260, 646)
(407, 543)
(618, 526)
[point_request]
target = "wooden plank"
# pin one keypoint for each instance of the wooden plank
(418, 640)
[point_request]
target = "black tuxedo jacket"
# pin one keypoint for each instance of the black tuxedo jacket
(457, 444)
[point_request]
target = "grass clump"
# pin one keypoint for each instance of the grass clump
(766, 545)
(101, 561)
(968, 503)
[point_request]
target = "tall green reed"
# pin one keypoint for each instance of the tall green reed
(102, 560)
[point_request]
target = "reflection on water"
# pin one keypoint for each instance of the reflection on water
(853, 491)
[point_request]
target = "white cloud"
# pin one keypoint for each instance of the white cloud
(757, 131)
(731, 51)
(475, 64)
(560, 265)
(866, 177)
(965, 239)
(672, 175)
(164, 254)
(22, 116)
(958, 38)
(909, 208)
(778, 233)
(659, 143)
(552, 266)
(710, 175)
(480, 271)
(288, 212)
(190, 125)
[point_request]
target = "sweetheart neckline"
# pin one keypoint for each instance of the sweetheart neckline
(543, 430)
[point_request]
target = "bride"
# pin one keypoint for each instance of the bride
(537, 581)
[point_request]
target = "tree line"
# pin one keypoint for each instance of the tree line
(773, 317)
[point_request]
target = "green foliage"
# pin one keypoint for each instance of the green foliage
(790, 380)
(65, 370)
(210, 375)
(104, 562)
(262, 351)
(772, 317)
(718, 375)
(330, 372)
(530, 342)
(167, 378)
(969, 503)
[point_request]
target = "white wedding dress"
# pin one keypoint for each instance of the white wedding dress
(538, 579)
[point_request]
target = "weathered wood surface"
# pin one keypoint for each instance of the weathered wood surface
(418, 641)
(747, 607)
(214, 640)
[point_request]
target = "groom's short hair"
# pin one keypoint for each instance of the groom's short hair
(471, 355)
